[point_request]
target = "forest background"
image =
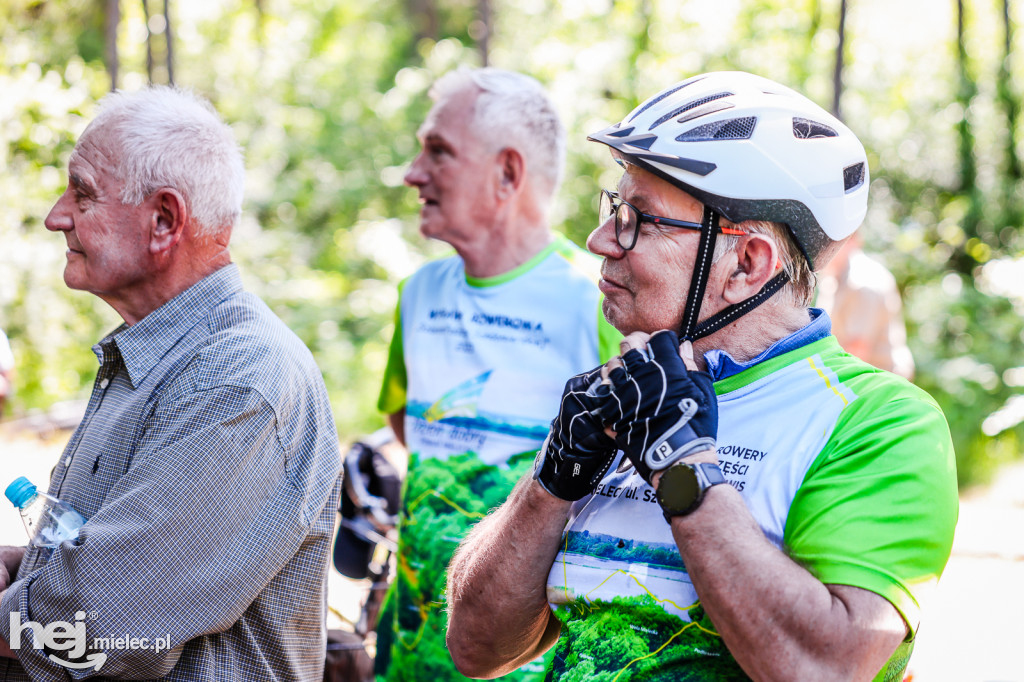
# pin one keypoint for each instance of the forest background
(326, 97)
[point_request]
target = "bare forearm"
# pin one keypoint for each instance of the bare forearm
(499, 576)
(777, 619)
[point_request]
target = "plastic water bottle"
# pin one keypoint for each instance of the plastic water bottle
(47, 520)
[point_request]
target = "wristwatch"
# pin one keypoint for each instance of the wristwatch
(682, 487)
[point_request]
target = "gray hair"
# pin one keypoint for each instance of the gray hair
(173, 138)
(799, 290)
(513, 110)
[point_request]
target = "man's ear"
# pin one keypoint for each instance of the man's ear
(168, 219)
(757, 256)
(511, 172)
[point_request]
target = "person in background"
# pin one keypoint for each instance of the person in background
(207, 463)
(6, 371)
(861, 297)
(752, 502)
(483, 340)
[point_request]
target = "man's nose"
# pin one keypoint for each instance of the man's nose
(416, 176)
(59, 217)
(602, 240)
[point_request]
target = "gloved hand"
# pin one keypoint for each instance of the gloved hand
(659, 410)
(577, 451)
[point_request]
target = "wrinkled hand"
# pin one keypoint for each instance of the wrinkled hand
(10, 559)
(660, 410)
(577, 453)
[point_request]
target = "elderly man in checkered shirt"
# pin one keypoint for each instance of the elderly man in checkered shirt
(207, 463)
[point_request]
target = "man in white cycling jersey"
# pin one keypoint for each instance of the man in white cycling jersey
(625, 550)
(483, 339)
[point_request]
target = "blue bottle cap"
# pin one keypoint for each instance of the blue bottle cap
(20, 491)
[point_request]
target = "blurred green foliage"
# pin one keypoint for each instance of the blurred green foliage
(326, 98)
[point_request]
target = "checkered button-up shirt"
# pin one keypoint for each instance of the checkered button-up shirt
(207, 467)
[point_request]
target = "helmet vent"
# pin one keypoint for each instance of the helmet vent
(686, 107)
(643, 142)
(806, 129)
(665, 94)
(706, 110)
(853, 177)
(733, 129)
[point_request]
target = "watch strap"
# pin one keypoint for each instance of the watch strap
(707, 474)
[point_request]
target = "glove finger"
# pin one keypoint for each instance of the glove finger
(611, 411)
(593, 375)
(697, 385)
(705, 385)
(581, 381)
(595, 381)
(596, 400)
(581, 393)
(703, 381)
(619, 378)
(594, 440)
(573, 429)
(599, 389)
(578, 398)
(634, 359)
(582, 427)
(623, 398)
(664, 347)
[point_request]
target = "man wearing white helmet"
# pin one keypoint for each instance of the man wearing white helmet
(842, 499)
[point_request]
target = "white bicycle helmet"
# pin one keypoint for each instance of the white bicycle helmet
(752, 150)
(749, 149)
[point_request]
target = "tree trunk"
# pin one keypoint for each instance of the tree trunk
(966, 260)
(424, 18)
(1008, 98)
(486, 23)
(966, 91)
(837, 76)
(113, 20)
(149, 42)
(261, 21)
(169, 37)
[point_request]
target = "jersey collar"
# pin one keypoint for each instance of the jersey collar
(722, 366)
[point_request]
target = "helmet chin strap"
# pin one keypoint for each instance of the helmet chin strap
(701, 270)
(690, 329)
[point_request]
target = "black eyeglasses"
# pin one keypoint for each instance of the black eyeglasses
(628, 218)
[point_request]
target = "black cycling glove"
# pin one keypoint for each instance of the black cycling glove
(659, 410)
(577, 451)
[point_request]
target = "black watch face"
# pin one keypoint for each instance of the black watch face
(678, 489)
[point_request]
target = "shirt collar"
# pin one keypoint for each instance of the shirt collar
(143, 344)
(722, 366)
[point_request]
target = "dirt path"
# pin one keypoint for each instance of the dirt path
(973, 625)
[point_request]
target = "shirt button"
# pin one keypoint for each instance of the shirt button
(67, 462)
(104, 383)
